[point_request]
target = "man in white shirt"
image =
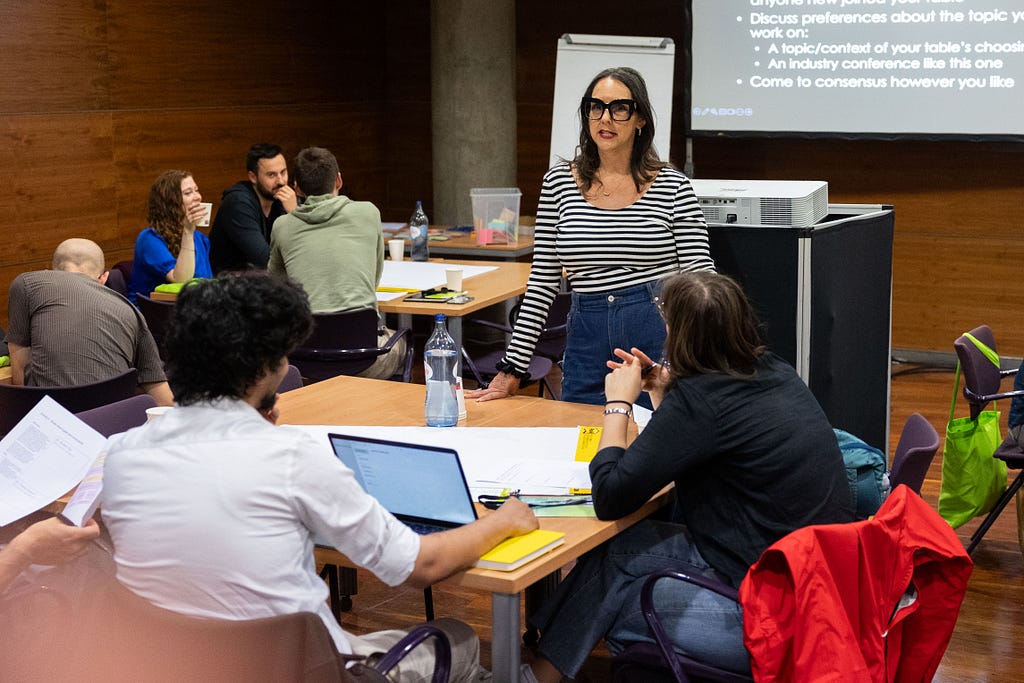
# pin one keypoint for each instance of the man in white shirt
(213, 509)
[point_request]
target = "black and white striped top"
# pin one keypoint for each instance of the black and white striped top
(663, 232)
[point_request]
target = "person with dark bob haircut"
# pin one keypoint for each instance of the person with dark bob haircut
(213, 509)
(617, 219)
(171, 249)
(752, 457)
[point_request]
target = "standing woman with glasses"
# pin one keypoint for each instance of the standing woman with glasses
(618, 220)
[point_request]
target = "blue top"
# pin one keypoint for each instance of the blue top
(153, 260)
(1017, 404)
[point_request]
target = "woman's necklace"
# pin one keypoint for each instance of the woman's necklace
(608, 190)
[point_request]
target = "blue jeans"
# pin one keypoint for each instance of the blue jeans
(601, 598)
(597, 324)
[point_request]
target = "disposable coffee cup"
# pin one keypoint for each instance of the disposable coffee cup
(453, 278)
(396, 248)
(156, 411)
(207, 212)
(460, 397)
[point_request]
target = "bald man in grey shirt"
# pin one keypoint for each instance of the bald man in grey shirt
(68, 329)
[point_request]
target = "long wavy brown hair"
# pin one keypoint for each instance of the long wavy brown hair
(167, 209)
(712, 328)
(644, 163)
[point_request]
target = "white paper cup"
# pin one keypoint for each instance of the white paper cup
(208, 211)
(453, 277)
(156, 411)
(396, 248)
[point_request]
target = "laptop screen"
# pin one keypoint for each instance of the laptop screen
(413, 482)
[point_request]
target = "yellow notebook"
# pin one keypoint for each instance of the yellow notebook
(514, 552)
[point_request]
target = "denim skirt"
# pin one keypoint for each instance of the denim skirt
(599, 323)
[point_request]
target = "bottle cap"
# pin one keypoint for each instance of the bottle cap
(440, 317)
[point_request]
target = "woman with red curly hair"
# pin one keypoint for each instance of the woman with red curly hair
(171, 249)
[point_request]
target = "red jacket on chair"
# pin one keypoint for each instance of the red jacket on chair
(824, 603)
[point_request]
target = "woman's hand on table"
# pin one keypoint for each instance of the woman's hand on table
(502, 386)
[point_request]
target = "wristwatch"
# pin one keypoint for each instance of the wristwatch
(618, 411)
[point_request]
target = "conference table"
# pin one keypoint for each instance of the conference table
(355, 401)
(460, 244)
(501, 285)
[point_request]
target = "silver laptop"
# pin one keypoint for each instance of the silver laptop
(423, 486)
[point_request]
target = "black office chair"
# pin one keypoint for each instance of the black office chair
(157, 314)
(17, 401)
(982, 380)
(346, 344)
(549, 350)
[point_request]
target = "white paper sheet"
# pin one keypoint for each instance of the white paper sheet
(419, 275)
(534, 460)
(44, 457)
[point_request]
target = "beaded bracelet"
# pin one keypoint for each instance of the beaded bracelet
(618, 411)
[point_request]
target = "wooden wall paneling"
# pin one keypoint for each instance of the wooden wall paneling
(166, 55)
(945, 285)
(212, 143)
(54, 56)
(54, 159)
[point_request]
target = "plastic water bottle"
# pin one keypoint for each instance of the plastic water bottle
(418, 225)
(439, 358)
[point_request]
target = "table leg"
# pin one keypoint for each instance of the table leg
(455, 330)
(505, 655)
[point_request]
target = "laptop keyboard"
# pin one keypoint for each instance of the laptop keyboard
(422, 528)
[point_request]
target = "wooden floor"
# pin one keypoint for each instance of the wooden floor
(987, 645)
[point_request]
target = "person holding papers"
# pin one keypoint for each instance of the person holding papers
(752, 458)
(48, 542)
(213, 509)
(618, 220)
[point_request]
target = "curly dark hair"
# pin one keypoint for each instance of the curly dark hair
(225, 334)
(644, 163)
(167, 209)
(712, 328)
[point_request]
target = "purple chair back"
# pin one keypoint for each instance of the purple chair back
(116, 282)
(292, 380)
(119, 416)
(157, 314)
(981, 376)
(914, 453)
(17, 401)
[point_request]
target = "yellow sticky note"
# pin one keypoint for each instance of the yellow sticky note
(586, 443)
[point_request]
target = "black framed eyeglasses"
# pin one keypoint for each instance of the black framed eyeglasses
(620, 110)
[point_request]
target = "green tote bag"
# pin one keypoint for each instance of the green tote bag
(972, 480)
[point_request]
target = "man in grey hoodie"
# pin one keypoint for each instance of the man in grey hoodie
(333, 247)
